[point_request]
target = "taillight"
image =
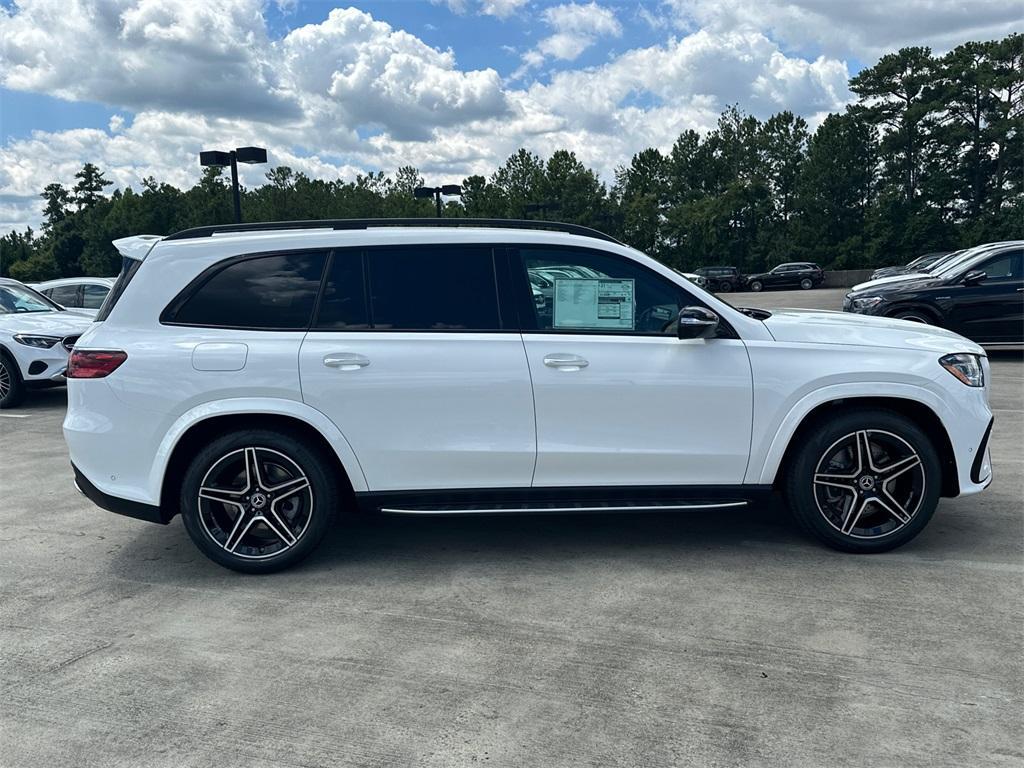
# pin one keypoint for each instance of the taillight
(93, 364)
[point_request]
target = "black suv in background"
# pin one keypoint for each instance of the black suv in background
(798, 273)
(722, 279)
(980, 296)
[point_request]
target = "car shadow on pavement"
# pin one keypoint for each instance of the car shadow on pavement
(439, 544)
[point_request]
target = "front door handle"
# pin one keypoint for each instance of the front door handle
(346, 361)
(566, 362)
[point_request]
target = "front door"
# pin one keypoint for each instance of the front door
(992, 311)
(619, 399)
(412, 359)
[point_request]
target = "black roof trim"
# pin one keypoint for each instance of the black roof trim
(267, 226)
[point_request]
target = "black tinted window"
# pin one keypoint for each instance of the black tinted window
(433, 288)
(1005, 265)
(265, 292)
(343, 306)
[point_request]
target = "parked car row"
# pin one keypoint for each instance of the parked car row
(977, 292)
(795, 274)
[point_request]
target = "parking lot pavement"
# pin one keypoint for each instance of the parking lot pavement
(699, 639)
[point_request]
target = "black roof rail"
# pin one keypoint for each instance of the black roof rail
(268, 226)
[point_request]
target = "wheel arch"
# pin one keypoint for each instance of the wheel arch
(919, 413)
(185, 438)
(917, 306)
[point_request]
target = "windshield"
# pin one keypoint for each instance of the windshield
(945, 267)
(19, 299)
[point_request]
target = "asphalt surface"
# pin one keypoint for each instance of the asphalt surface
(705, 639)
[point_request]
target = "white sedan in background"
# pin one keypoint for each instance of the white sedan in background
(36, 336)
(81, 295)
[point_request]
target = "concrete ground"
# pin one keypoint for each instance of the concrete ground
(708, 639)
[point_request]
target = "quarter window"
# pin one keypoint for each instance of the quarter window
(433, 288)
(267, 292)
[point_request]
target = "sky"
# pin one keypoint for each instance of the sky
(453, 87)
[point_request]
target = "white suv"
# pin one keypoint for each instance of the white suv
(260, 379)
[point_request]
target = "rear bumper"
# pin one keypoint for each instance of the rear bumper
(125, 507)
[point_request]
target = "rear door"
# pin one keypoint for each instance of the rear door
(418, 362)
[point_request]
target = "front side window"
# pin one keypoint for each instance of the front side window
(595, 292)
(1007, 265)
(433, 288)
(93, 295)
(275, 292)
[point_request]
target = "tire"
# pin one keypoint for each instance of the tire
(806, 284)
(838, 506)
(12, 387)
(914, 316)
(756, 285)
(725, 287)
(258, 524)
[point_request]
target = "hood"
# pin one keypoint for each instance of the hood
(45, 323)
(811, 326)
(892, 279)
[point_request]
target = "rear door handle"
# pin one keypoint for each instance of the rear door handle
(566, 362)
(346, 361)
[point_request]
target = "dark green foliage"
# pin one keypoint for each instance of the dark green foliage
(931, 157)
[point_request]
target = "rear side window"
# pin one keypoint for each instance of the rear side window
(274, 292)
(93, 295)
(433, 288)
(66, 295)
(343, 306)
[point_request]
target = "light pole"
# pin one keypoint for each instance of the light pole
(248, 155)
(448, 190)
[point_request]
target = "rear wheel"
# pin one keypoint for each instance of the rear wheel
(725, 286)
(867, 481)
(806, 284)
(756, 285)
(12, 388)
(258, 501)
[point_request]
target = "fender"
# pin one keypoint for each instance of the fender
(762, 469)
(256, 405)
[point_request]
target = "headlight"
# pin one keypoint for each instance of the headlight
(40, 342)
(965, 367)
(859, 305)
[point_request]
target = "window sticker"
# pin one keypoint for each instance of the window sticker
(594, 303)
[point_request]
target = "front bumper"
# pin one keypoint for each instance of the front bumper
(125, 507)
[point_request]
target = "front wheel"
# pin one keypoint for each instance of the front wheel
(725, 287)
(258, 501)
(866, 481)
(914, 316)
(806, 284)
(756, 285)
(12, 388)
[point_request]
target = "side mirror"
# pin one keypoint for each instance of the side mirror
(974, 277)
(696, 323)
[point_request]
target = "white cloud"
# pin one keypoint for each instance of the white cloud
(317, 91)
(576, 27)
(501, 9)
(856, 28)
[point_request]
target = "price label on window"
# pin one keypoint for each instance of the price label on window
(594, 304)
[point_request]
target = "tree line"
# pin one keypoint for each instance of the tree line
(930, 157)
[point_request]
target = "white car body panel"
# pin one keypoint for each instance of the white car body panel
(57, 324)
(645, 410)
(457, 407)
